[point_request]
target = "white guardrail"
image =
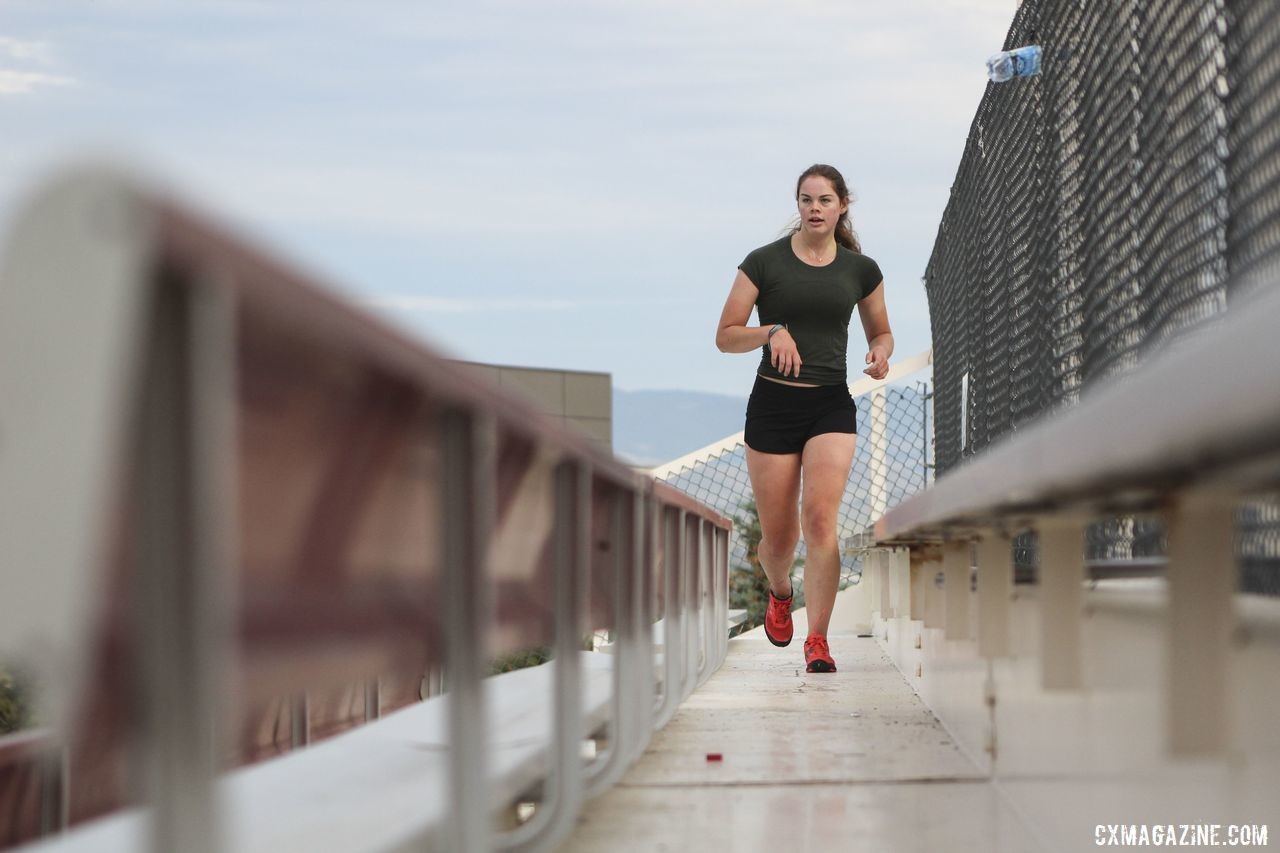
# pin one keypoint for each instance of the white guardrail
(222, 486)
(1185, 436)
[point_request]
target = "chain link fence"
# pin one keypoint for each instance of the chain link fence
(1126, 196)
(890, 465)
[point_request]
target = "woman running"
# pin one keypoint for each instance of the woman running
(801, 427)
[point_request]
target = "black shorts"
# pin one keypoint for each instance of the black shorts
(781, 418)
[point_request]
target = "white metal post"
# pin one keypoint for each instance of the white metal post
(1201, 577)
(933, 595)
(467, 451)
(74, 289)
(995, 589)
(871, 581)
(644, 555)
(886, 585)
(878, 465)
(900, 566)
(186, 539)
(955, 568)
(299, 721)
(916, 575)
(705, 599)
(671, 523)
(1061, 582)
(690, 588)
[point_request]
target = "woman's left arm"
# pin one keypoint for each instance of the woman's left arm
(875, 323)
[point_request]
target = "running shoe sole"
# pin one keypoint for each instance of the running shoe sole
(820, 666)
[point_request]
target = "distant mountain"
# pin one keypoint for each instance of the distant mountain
(652, 427)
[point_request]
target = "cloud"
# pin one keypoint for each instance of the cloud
(24, 82)
(15, 81)
(34, 51)
(411, 194)
(481, 170)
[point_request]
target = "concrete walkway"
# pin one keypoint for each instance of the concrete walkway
(850, 760)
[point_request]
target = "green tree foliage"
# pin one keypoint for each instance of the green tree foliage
(533, 656)
(748, 586)
(15, 701)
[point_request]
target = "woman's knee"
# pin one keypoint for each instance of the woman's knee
(780, 544)
(819, 526)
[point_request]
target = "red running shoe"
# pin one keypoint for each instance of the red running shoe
(777, 619)
(817, 655)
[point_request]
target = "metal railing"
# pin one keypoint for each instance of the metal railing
(223, 487)
(1168, 439)
(1102, 211)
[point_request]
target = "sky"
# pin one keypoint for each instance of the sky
(566, 184)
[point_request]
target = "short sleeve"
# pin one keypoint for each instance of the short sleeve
(871, 277)
(753, 266)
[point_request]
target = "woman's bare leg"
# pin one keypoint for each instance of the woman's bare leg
(826, 461)
(775, 479)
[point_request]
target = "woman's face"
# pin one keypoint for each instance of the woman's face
(819, 206)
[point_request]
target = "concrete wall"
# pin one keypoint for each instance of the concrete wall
(581, 399)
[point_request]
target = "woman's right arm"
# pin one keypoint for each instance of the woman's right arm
(734, 335)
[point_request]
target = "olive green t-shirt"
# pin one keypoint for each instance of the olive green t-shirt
(816, 303)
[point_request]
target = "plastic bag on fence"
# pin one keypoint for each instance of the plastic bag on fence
(1023, 62)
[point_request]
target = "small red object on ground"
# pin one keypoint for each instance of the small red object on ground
(714, 756)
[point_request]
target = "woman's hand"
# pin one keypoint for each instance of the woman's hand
(783, 354)
(877, 363)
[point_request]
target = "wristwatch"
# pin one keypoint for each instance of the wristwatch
(776, 327)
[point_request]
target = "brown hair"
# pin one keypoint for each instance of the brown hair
(845, 235)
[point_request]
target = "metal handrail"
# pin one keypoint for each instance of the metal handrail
(206, 307)
(1221, 436)
(1168, 438)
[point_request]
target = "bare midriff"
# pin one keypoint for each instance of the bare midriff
(792, 384)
